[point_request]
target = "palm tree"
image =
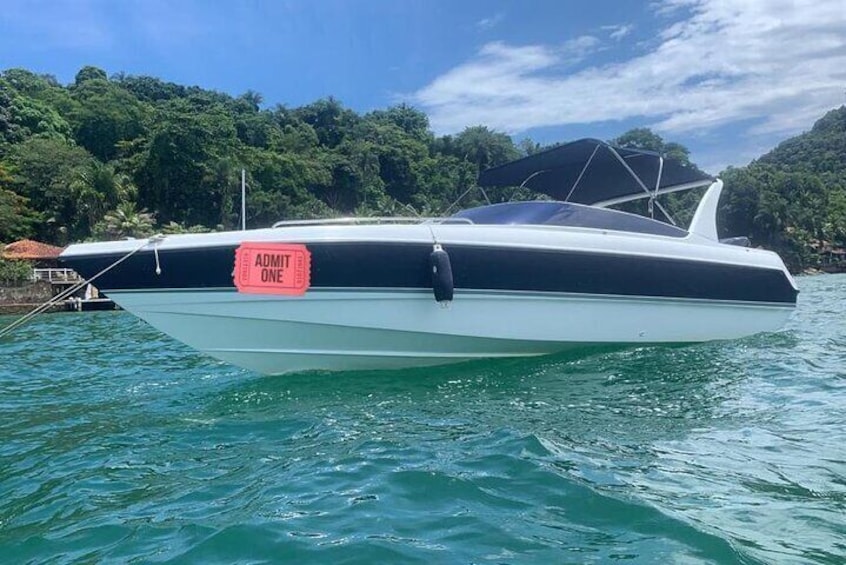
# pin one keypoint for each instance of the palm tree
(97, 188)
(125, 221)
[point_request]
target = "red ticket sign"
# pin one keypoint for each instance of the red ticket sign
(272, 268)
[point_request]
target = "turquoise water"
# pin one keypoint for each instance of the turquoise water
(118, 444)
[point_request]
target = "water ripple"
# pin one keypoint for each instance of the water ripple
(121, 445)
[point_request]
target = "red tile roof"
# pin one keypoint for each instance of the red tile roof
(31, 250)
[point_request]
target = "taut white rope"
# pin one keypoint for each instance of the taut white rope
(69, 291)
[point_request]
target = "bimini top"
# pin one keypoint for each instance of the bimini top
(592, 172)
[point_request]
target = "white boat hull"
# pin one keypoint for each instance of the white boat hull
(355, 329)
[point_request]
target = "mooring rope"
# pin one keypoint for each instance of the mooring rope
(69, 291)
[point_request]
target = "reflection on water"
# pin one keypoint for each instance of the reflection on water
(120, 444)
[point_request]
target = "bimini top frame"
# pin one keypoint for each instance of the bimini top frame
(595, 173)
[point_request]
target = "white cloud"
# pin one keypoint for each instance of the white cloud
(576, 49)
(491, 22)
(776, 64)
(618, 32)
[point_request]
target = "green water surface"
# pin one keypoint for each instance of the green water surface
(118, 444)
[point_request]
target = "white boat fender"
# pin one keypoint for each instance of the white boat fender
(442, 283)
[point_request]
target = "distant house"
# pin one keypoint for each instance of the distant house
(39, 254)
(44, 260)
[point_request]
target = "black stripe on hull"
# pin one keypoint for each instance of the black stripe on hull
(406, 265)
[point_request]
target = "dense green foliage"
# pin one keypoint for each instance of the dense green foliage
(14, 272)
(107, 157)
(793, 199)
(124, 155)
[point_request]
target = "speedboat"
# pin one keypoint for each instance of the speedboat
(503, 280)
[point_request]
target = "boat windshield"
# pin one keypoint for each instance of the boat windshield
(567, 214)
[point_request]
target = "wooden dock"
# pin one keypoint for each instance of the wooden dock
(89, 304)
(45, 285)
(86, 300)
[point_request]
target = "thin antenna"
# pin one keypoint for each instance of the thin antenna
(243, 200)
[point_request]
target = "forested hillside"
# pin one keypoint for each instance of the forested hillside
(108, 157)
(105, 157)
(793, 199)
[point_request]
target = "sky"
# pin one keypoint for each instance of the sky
(728, 79)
